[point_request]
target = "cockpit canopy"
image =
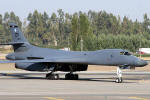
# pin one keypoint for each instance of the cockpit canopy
(125, 53)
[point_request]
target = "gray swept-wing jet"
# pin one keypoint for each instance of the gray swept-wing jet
(33, 58)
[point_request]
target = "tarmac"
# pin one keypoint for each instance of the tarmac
(22, 85)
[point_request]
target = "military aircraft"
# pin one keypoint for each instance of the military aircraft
(33, 58)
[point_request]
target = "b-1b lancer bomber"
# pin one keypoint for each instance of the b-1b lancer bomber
(33, 58)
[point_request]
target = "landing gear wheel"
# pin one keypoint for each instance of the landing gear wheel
(76, 76)
(119, 80)
(56, 76)
(51, 76)
(71, 76)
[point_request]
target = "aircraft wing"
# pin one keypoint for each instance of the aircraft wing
(54, 60)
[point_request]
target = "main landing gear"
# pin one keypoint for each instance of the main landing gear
(71, 76)
(119, 75)
(52, 76)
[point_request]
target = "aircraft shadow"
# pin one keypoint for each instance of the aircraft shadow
(108, 79)
(20, 76)
(102, 80)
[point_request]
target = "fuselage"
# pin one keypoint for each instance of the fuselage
(111, 57)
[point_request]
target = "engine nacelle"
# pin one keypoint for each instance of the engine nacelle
(48, 66)
(31, 66)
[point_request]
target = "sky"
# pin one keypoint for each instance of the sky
(133, 9)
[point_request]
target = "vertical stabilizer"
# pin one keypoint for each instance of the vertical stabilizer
(19, 42)
(17, 35)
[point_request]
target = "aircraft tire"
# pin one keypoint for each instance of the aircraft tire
(119, 80)
(52, 76)
(71, 76)
(56, 76)
(67, 77)
(76, 76)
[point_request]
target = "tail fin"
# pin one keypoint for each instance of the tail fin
(17, 35)
(19, 42)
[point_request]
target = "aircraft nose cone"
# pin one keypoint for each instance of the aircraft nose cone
(145, 63)
(142, 63)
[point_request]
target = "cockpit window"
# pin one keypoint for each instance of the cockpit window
(121, 53)
(125, 53)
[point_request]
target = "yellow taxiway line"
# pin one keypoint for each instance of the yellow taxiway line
(53, 98)
(137, 98)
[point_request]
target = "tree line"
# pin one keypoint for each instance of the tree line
(97, 30)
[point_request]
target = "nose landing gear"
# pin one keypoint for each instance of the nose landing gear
(119, 75)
